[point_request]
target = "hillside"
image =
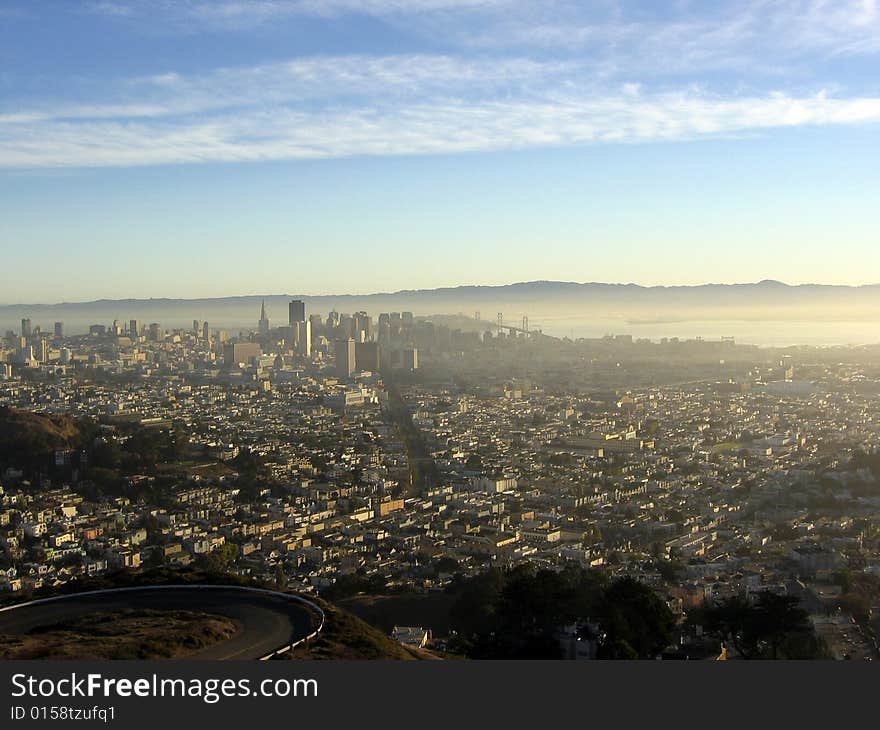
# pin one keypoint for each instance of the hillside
(30, 439)
(140, 634)
(345, 636)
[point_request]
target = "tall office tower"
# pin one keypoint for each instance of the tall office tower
(302, 334)
(384, 333)
(384, 318)
(317, 325)
(346, 325)
(59, 330)
(197, 328)
(155, 332)
(407, 319)
(362, 326)
(296, 311)
(206, 331)
(395, 322)
(241, 353)
(288, 336)
(134, 329)
(345, 357)
(333, 319)
(366, 356)
(26, 330)
(44, 350)
(116, 328)
(411, 359)
(263, 324)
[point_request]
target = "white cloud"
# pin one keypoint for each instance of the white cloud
(324, 80)
(593, 77)
(749, 36)
(245, 14)
(716, 35)
(443, 125)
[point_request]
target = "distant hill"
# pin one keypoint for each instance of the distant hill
(538, 299)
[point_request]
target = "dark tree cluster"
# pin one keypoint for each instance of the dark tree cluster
(773, 627)
(517, 613)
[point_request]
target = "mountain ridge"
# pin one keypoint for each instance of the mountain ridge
(542, 284)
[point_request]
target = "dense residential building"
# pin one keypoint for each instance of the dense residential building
(430, 440)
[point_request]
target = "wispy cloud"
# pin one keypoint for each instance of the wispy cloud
(441, 125)
(620, 39)
(752, 36)
(245, 14)
(334, 80)
(534, 74)
(715, 34)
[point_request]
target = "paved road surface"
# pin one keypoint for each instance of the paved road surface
(267, 622)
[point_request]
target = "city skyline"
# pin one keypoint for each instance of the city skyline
(434, 330)
(238, 146)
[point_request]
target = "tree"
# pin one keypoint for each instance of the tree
(776, 617)
(633, 615)
(669, 569)
(219, 559)
(774, 627)
(446, 564)
(516, 613)
(728, 621)
(474, 462)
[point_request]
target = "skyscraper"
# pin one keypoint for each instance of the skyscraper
(59, 330)
(346, 324)
(411, 359)
(134, 329)
(241, 353)
(296, 311)
(263, 324)
(302, 337)
(345, 357)
(367, 356)
(317, 326)
(362, 327)
(26, 330)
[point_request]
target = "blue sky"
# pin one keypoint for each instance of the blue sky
(189, 148)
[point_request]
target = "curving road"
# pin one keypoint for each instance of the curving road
(267, 621)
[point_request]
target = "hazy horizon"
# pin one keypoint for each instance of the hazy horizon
(763, 313)
(85, 299)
